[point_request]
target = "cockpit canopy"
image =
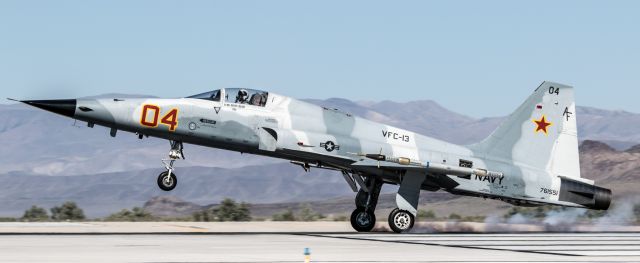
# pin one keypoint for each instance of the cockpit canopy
(211, 95)
(236, 95)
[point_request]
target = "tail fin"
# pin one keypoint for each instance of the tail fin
(541, 133)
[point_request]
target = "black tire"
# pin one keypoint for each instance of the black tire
(166, 182)
(401, 221)
(363, 220)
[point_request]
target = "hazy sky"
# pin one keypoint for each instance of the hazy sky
(479, 58)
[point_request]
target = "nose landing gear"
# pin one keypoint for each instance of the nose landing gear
(167, 180)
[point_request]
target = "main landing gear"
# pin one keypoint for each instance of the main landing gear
(363, 218)
(167, 180)
(402, 218)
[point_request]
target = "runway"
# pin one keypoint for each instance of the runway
(342, 246)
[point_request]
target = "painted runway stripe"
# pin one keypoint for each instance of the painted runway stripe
(575, 245)
(515, 240)
(591, 249)
(546, 245)
(633, 234)
(443, 245)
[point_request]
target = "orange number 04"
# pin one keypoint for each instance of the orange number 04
(151, 113)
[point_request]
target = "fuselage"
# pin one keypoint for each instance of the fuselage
(288, 128)
(532, 158)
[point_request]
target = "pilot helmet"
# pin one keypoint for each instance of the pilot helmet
(242, 95)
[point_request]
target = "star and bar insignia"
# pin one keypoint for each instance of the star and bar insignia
(542, 124)
(329, 146)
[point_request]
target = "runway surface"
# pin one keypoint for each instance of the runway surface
(343, 246)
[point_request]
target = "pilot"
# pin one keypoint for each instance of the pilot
(258, 99)
(242, 97)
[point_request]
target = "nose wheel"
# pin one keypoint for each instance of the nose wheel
(167, 180)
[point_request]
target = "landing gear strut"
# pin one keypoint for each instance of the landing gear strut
(363, 218)
(167, 180)
(401, 219)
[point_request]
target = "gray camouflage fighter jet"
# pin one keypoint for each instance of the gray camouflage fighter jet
(531, 159)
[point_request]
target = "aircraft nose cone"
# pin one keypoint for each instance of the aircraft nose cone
(62, 107)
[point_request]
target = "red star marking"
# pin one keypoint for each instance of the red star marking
(542, 124)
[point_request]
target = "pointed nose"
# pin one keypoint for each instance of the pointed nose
(62, 107)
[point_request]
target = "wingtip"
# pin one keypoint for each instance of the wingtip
(13, 99)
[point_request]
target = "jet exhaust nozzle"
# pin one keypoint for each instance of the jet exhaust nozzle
(590, 196)
(62, 107)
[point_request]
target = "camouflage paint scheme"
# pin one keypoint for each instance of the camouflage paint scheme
(529, 155)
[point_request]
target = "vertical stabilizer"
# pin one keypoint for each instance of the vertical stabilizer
(541, 133)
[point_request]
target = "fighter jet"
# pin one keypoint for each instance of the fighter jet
(531, 159)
